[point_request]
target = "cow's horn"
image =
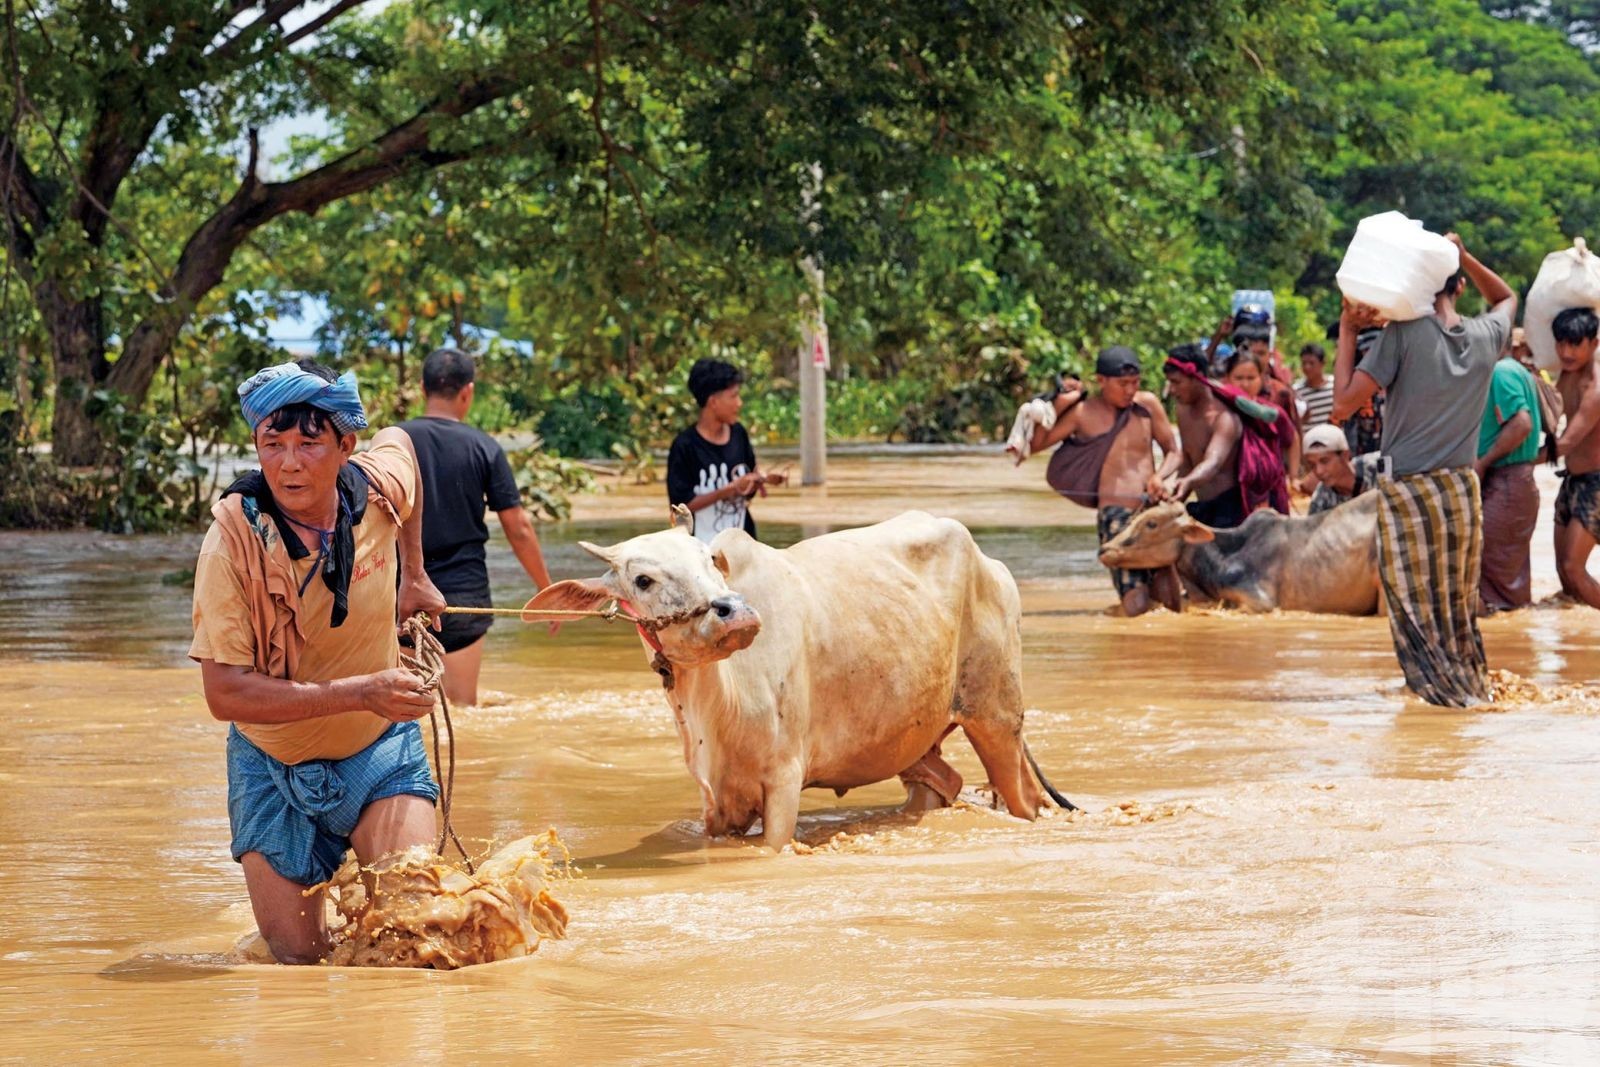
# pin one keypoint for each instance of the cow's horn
(683, 517)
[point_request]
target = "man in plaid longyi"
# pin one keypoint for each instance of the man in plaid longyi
(1436, 372)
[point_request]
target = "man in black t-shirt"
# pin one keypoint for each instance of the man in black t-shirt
(464, 469)
(712, 467)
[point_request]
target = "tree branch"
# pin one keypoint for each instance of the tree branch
(403, 149)
(110, 151)
(20, 186)
(607, 143)
(320, 21)
(124, 120)
(27, 214)
(271, 16)
(86, 195)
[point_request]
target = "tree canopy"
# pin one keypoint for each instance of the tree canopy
(999, 187)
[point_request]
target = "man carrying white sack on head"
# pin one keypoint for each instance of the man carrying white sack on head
(1436, 370)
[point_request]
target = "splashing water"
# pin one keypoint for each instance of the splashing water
(414, 909)
(1508, 687)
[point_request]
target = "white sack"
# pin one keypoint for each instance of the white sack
(1396, 266)
(1569, 278)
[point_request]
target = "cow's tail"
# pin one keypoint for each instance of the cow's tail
(1063, 802)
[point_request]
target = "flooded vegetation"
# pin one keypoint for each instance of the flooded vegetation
(1281, 858)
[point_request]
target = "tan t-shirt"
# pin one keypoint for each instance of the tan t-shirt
(364, 644)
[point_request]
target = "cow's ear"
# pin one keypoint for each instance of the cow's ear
(572, 595)
(604, 555)
(719, 560)
(1197, 533)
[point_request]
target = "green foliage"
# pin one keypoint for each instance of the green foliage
(1001, 188)
(548, 481)
(154, 485)
(37, 494)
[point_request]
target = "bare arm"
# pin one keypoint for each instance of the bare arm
(524, 539)
(1064, 401)
(1580, 423)
(1224, 438)
(1066, 423)
(1161, 430)
(1496, 293)
(1223, 329)
(239, 694)
(1352, 389)
(744, 485)
(417, 591)
(1512, 433)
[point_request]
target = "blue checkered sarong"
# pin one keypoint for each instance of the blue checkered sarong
(300, 816)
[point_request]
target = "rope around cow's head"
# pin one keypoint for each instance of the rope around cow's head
(647, 625)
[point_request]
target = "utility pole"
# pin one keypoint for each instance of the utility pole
(813, 350)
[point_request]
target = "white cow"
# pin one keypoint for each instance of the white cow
(839, 662)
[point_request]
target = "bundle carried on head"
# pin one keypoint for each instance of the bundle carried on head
(1396, 266)
(1568, 278)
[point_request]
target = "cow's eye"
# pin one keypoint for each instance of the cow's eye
(643, 582)
(1150, 524)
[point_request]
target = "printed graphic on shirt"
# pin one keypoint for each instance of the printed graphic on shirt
(724, 514)
(696, 467)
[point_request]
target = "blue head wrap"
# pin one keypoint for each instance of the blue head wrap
(278, 387)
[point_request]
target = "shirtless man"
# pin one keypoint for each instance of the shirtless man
(1116, 476)
(1577, 333)
(1210, 434)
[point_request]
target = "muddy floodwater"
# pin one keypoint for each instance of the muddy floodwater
(1282, 859)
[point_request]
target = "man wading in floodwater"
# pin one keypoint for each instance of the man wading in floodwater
(1436, 371)
(1211, 433)
(294, 630)
(465, 471)
(711, 467)
(1105, 463)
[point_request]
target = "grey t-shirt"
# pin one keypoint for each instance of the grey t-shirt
(1437, 382)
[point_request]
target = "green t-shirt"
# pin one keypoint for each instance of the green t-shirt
(1511, 390)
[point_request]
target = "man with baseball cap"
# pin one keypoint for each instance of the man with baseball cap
(1105, 462)
(1339, 477)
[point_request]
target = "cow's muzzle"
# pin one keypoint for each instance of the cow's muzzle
(731, 624)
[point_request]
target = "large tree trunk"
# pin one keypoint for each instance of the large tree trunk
(76, 327)
(80, 369)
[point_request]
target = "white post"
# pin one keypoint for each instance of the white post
(813, 380)
(813, 352)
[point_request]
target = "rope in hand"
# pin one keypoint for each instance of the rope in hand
(425, 659)
(611, 611)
